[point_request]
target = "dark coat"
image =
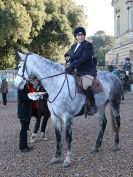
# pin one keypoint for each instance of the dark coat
(127, 66)
(82, 59)
(4, 86)
(24, 105)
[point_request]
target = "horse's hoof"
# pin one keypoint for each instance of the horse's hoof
(32, 141)
(42, 136)
(66, 164)
(54, 161)
(95, 150)
(45, 139)
(28, 132)
(116, 147)
(33, 138)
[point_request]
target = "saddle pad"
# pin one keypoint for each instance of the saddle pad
(97, 86)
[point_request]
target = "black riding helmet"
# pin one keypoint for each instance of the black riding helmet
(79, 30)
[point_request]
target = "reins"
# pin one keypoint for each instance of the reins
(52, 76)
(66, 79)
(59, 91)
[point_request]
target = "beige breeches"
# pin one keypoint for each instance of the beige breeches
(87, 81)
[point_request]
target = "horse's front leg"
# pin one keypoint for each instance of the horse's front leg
(46, 116)
(68, 127)
(58, 129)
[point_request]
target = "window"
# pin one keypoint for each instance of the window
(112, 62)
(117, 59)
(117, 22)
(118, 26)
(130, 15)
(131, 54)
(129, 18)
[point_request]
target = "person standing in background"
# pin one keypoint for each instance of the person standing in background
(4, 90)
(127, 66)
(116, 71)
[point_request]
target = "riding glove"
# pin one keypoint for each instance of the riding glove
(69, 70)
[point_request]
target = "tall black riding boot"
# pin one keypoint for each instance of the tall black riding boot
(90, 95)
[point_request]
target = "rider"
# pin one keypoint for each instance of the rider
(81, 57)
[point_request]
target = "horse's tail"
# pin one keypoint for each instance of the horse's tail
(112, 120)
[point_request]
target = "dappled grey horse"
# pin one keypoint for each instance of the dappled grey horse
(65, 101)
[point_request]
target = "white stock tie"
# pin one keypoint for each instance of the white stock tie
(78, 44)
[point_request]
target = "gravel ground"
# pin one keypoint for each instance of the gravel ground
(106, 163)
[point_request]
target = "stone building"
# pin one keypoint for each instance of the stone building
(123, 32)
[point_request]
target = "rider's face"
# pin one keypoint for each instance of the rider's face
(80, 38)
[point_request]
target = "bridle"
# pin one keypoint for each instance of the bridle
(31, 79)
(25, 68)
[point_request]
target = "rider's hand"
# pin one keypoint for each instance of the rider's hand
(69, 70)
(67, 59)
(66, 55)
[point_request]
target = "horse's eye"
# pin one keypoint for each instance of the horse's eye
(19, 67)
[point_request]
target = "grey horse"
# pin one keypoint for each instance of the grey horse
(65, 101)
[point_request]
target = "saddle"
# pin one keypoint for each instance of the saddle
(96, 88)
(96, 84)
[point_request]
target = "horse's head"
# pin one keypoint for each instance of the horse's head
(23, 74)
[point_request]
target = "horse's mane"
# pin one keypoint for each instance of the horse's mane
(56, 66)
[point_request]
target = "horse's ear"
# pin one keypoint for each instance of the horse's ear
(21, 55)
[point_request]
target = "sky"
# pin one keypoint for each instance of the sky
(100, 16)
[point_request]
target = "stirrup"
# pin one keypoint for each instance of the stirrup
(94, 109)
(88, 111)
(91, 111)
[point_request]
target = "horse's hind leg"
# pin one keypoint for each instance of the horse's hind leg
(37, 124)
(115, 115)
(58, 129)
(36, 128)
(122, 94)
(44, 124)
(102, 122)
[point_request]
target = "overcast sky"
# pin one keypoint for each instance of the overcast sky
(100, 15)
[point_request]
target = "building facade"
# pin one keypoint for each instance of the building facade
(123, 32)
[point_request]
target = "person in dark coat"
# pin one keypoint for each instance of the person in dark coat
(24, 114)
(4, 90)
(127, 66)
(81, 57)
